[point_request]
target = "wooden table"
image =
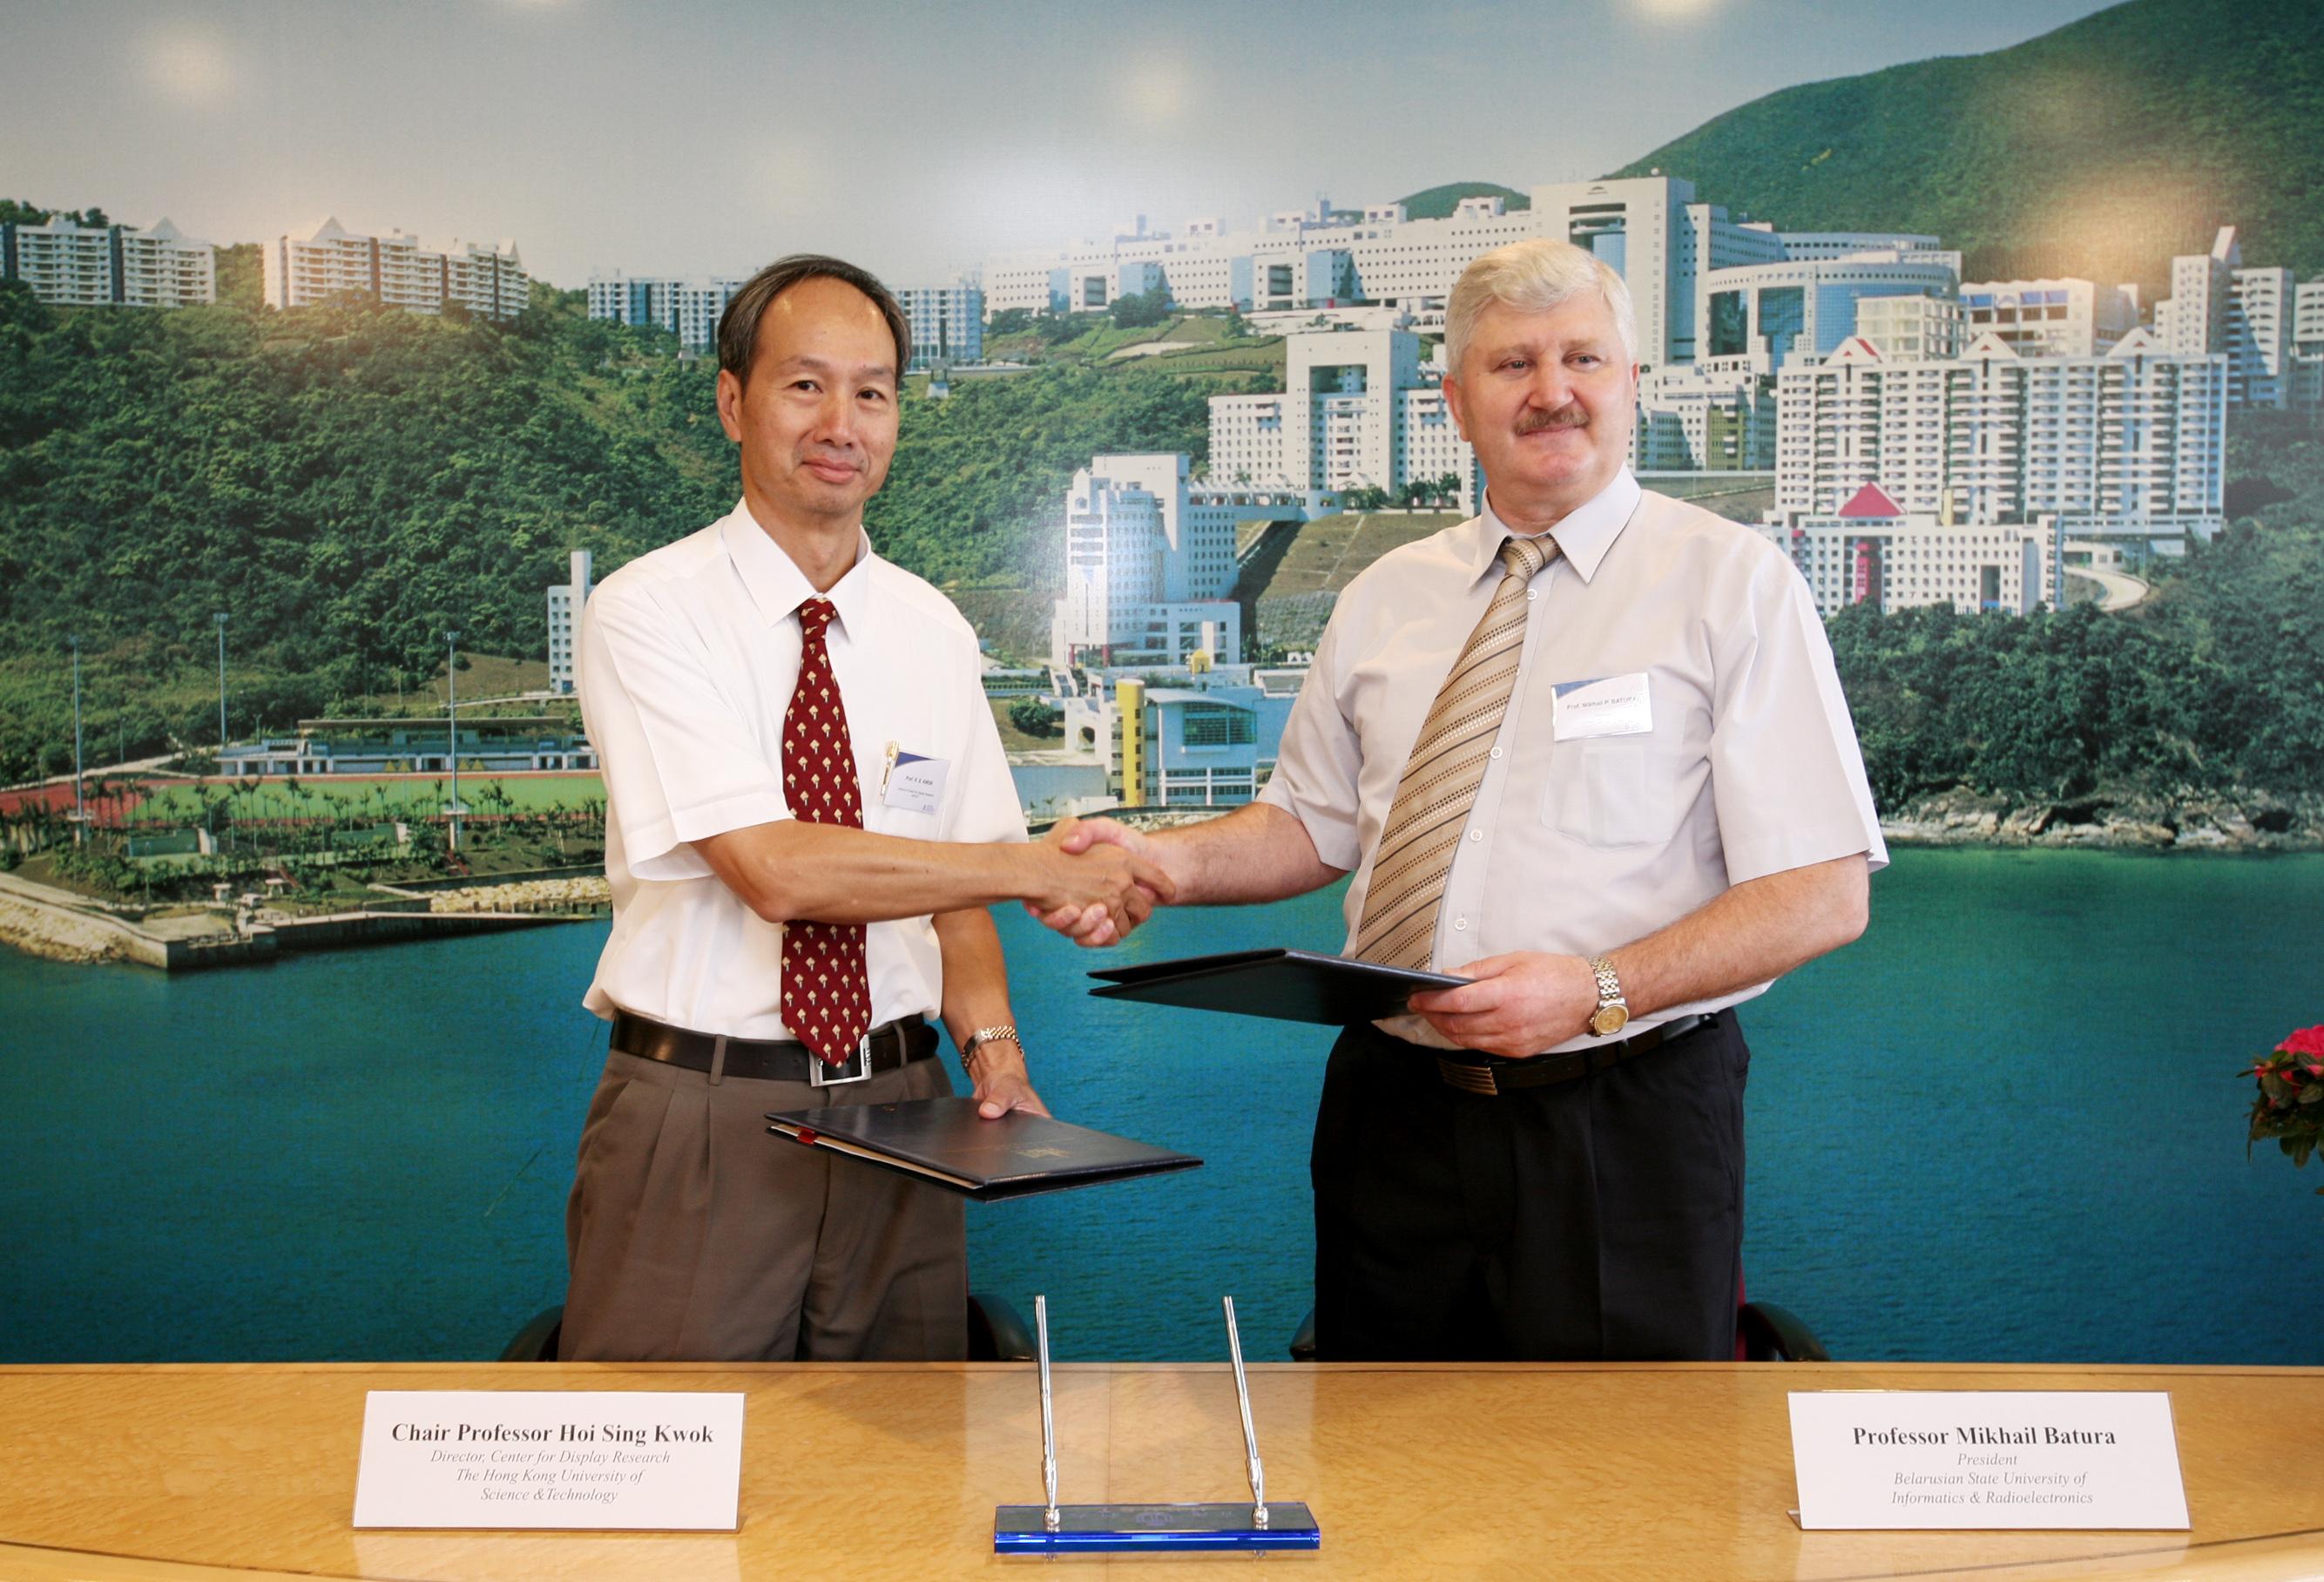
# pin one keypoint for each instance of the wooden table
(1579, 1470)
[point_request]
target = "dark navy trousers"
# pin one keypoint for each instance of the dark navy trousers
(1597, 1218)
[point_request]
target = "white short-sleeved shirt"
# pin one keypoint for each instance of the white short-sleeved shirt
(1579, 846)
(686, 661)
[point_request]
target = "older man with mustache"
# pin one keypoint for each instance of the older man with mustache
(1589, 751)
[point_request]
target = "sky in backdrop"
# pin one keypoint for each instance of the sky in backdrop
(707, 136)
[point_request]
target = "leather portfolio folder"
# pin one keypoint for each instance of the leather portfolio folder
(945, 1142)
(1290, 986)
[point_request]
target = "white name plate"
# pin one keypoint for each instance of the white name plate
(1990, 1459)
(572, 1458)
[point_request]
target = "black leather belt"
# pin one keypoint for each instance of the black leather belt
(1493, 1076)
(781, 1059)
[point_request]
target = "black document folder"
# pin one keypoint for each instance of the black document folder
(1290, 986)
(945, 1142)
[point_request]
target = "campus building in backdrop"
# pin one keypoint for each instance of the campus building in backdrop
(2042, 317)
(1211, 742)
(1651, 229)
(2308, 345)
(2254, 316)
(1358, 409)
(331, 262)
(1721, 306)
(947, 321)
(689, 309)
(1150, 554)
(565, 602)
(1150, 564)
(69, 264)
(486, 744)
(1911, 329)
(1993, 435)
(1872, 551)
(1704, 419)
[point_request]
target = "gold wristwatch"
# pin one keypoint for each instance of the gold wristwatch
(986, 1035)
(1613, 1013)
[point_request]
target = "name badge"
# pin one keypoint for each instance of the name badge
(1993, 1459)
(1610, 705)
(916, 785)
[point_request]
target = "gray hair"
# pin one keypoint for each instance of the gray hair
(1533, 276)
(738, 326)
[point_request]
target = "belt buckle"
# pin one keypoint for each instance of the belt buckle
(1469, 1076)
(822, 1073)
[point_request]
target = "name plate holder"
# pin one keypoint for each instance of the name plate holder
(1051, 1528)
(603, 1460)
(2005, 1460)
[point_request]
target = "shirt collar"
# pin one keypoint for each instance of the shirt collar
(1584, 536)
(776, 583)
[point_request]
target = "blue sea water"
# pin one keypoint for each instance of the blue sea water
(2003, 1126)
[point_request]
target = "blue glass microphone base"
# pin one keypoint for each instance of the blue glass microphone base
(1017, 1529)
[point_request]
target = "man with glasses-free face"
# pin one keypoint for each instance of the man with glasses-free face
(808, 814)
(1587, 750)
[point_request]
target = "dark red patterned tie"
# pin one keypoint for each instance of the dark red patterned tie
(826, 992)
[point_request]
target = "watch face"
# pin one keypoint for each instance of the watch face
(1608, 1019)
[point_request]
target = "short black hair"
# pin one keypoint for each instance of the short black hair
(738, 326)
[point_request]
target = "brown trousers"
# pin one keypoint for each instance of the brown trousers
(693, 1235)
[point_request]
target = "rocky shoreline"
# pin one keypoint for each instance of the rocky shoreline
(2238, 821)
(56, 934)
(2231, 821)
(530, 896)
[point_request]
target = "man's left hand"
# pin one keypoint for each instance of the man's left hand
(1003, 1083)
(1516, 1005)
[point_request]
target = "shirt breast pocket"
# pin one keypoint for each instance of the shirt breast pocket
(1617, 793)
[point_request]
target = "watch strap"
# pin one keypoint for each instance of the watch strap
(1004, 1033)
(1609, 989)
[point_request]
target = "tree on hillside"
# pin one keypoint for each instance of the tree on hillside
(1143, 310)
(1056, 328)
(1035, 716)
(240, 277)
(15, 213)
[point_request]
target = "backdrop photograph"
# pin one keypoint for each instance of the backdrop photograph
(346, 350)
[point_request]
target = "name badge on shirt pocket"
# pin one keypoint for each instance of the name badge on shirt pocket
(915, 784)
(1610, 705)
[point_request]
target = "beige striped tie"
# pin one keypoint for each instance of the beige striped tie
(1442, 776)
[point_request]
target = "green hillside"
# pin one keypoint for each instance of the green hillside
(346, 482)
(1436, 202)
(2097, 151)
(1325, 554)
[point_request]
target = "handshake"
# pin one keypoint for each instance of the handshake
(1095, 880)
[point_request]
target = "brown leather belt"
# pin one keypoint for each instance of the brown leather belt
(1492, 1076)
(781, 1059)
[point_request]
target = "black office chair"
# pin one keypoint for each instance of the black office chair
(1763, 1332)
(996, 1334)
(537, 1341)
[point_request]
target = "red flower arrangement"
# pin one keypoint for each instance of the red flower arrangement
(2290, 1106)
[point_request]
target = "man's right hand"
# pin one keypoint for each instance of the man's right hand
(1095, 888)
